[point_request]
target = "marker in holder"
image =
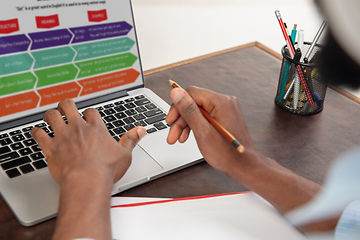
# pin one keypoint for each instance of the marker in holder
(291, 96)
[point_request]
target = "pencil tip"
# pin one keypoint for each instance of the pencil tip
(171, 82)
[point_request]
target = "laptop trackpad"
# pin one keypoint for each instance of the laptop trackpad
(142, 166)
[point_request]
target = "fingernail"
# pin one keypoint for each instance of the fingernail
(141, 132)
(177, 95)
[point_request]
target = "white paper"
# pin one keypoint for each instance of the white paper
(239, 216)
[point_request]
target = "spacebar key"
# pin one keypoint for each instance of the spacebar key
(15, 163)
(155, 119)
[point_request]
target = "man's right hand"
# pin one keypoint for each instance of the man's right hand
(217, 151)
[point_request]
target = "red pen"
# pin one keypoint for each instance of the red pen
(292, 53)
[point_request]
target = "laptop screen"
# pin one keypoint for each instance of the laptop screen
(56, 49)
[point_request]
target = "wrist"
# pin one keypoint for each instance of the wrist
(247, 166)
(85, 175)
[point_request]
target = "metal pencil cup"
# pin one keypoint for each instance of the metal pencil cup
(301, 89)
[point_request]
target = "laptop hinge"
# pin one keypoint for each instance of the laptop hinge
(101, 99)
(38, 116)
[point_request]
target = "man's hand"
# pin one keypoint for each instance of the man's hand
(185, 115)
(86, 161)
(84, 145)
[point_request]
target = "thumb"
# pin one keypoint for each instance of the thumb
(132, 137)
(188, 109)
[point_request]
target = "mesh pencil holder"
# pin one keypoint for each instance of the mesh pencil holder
(301, 89)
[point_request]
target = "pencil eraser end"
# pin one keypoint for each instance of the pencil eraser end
(241, 149)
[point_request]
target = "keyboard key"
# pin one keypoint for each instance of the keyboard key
(130, 105)
(13, 173)
(109, 118)
(119, 103)
(15, 132)
(99, 108)
(150, 106)
(109, 105)
(27, 129)
(111, 133)
(26, 168)
(120, 115)
(116, 138)
(139, 97)
(5, 135)
(39, 164)
(155, 119)
(29, 142)
(15, 163)
(27, 135)
(25, 151)
(131, 112)
(141, 109)
(109, 126)
(36, 156)
(102, 114)
(5, 141)
(5, 149)
(45, 129)
(109, 111)
(9, 156)
(35, 148)
(128, 120)
(139, 117)
(50, 128)
(153, 112)
(151, 130)
(16, 146)
(140, 123)
(142, 102)
(18, 138)
(160, 126)
(118, 123)
(119, 131)
(40, 125)
(51, 134)
(120, 108)
(129, 127)
(129, 100)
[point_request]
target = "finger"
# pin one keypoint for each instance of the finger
(54, 119)
(189, 111)
(92, 116)
(41, 137)
(132, 137)
(184, 135)
(205, 98)
(68, 108)
(173, 115)
(176, 129)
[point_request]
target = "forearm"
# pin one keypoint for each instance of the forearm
(84, 210)
(284, 189)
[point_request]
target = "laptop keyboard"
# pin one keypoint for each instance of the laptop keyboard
(20, 153)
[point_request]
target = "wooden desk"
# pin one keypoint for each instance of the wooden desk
(305, 144)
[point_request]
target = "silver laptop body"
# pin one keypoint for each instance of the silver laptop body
(33, 196)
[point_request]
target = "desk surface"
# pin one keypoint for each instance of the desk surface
(305, 144)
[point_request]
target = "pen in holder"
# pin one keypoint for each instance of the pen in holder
(301, 89)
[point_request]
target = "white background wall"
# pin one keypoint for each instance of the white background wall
(173, 30)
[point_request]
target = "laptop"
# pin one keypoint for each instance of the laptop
(87, 51)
